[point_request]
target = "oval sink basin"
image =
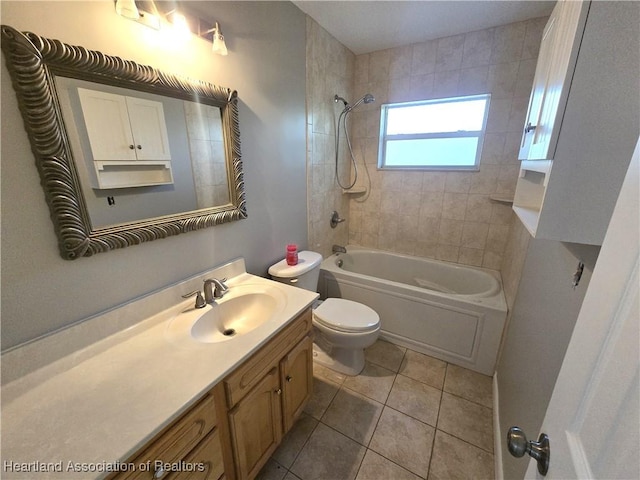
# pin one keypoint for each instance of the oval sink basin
(243, 309)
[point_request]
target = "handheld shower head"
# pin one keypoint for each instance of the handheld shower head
(368, 98)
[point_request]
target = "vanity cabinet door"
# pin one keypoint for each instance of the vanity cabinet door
(256, 426)
(296, 370)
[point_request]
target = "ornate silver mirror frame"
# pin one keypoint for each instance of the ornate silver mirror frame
(33, 62)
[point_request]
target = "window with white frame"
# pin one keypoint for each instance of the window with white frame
(442, 134)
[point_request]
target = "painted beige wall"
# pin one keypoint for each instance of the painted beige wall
(41, 292)
(445, 215)
(330, 68)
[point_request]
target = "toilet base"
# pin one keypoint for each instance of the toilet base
(349, 361)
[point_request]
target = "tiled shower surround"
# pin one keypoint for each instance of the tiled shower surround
(437, 214)
(330, 70)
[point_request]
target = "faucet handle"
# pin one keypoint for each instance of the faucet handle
(200, 303)
(221, 287)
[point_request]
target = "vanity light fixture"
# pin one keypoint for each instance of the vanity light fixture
(148, 17)
(183, 25)
(219, 46)
(214, 35)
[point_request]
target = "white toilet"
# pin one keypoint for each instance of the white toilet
(343, 328)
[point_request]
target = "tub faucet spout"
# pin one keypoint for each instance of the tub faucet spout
(338, 249)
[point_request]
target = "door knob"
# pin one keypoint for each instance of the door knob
(518, 446)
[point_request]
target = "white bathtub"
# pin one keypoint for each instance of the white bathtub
(449, 311)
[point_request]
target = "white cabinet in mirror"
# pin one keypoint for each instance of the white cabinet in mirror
(153, 155)
(89, 220)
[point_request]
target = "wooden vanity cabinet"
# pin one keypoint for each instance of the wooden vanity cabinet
(267, 393)
(193, 439)
(236, 427)
(296, 378)
(256, 426)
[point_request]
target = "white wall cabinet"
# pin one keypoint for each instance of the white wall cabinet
(128, 139)
(582, 123)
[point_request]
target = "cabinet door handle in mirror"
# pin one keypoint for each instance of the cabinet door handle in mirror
(139, 147)
(529, 128)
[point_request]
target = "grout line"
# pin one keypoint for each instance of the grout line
(465, 441)
(466, 399)
(385, 405)
(303, 445)
(396, 463)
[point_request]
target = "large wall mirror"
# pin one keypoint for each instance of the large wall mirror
(126, 153)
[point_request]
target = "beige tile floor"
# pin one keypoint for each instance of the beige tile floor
(406, 416)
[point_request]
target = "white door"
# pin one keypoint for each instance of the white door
(593, 417)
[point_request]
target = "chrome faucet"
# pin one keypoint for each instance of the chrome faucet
(214, 289)
(338, 249)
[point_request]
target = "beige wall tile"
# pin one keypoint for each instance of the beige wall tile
(477, 48)
(449, 53)
(500, 61)
(423, 58)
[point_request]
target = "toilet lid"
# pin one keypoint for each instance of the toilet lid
(346, 316)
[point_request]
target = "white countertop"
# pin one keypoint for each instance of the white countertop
(104, 408)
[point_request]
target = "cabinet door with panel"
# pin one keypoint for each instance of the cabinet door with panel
(122, 128)
(149, 129)
(256, 425)
(296, 370)
(106, 119)
(581, 127)
(556, 58)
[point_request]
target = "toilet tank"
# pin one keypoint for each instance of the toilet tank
(304, 275)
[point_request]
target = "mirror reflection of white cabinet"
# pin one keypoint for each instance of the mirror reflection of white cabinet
(128, 139)
(582, 123)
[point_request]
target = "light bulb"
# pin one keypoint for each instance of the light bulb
(180, 25)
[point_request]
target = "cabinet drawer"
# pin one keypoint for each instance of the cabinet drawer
(205, 461)
(176, 442)
(240, 382)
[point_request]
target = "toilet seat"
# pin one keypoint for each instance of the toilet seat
(346, 316)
